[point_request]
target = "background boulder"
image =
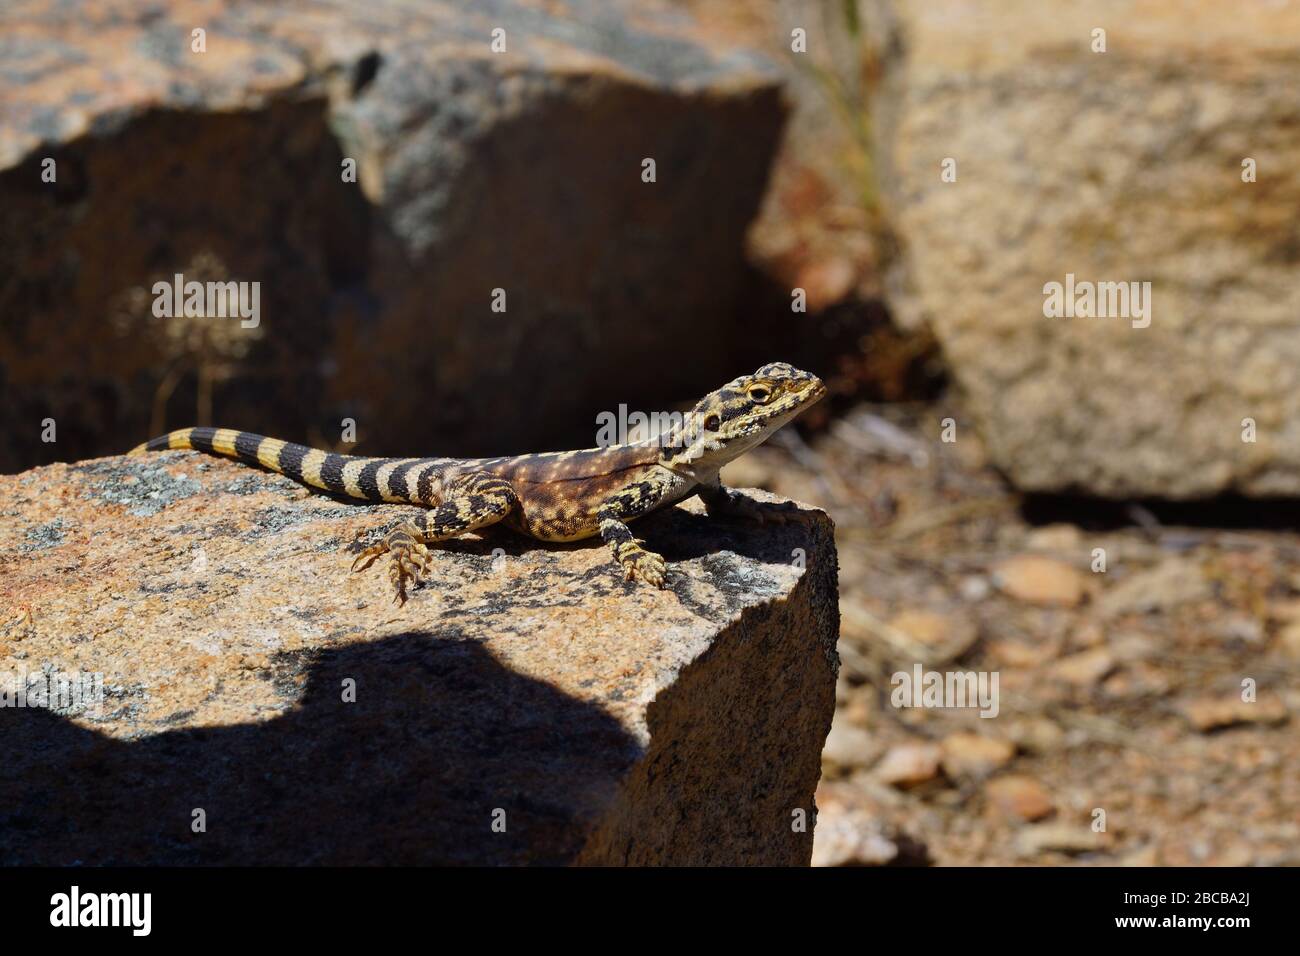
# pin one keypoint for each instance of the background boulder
(1123, 165)
(519, 171)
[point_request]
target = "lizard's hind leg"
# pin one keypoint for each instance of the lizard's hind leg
(471, 501)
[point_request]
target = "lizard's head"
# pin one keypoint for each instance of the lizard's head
(743, 413)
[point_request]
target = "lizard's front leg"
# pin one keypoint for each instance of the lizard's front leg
(722, 502)
(638, 498)
(473, 501)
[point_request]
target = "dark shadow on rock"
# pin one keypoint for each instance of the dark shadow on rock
(682, 535)
(677, 534)
(441, 735)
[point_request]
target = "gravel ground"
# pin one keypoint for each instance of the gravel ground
(1145, 658)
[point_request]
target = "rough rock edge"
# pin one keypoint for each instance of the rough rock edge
(692, 791)
(709, 831)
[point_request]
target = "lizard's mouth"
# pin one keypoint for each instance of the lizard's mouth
(779, 417)
(810, 396)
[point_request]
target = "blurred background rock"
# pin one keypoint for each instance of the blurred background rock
(775, 171)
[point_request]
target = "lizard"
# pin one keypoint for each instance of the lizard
(554, 496)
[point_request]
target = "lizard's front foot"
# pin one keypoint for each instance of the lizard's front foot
(410, 559)
(646, 565)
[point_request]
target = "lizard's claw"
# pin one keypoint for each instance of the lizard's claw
(647, 566)
(410, 563)
(397, 575)
(369, 555)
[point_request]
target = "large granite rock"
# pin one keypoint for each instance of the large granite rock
(602, 722)
(1117, 166)
(476, 171)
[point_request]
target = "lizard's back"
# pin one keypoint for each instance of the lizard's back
(558, 492)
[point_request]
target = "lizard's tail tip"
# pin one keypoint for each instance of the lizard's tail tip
(177, 439)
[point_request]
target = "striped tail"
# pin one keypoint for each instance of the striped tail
(410, 480)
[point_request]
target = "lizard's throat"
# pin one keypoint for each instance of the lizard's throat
(709, 453)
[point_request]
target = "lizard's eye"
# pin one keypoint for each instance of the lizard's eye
(712, 423)
(759, 393)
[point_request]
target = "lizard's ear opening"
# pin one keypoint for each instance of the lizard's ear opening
(712, 423)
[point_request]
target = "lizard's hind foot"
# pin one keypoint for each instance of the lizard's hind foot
(410, 563)
(476, 500)
(410, 559)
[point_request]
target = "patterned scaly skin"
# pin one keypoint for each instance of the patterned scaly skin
(558, 496)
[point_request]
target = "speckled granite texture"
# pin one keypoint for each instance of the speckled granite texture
(604, 722)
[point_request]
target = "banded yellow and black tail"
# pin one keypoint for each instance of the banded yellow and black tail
(553, 496)
(406, 480)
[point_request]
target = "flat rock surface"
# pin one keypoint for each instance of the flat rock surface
(599, 720)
